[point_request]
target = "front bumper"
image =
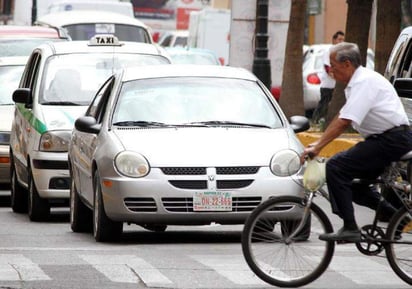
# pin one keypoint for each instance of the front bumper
(168, 199)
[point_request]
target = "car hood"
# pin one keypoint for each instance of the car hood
(206, 146)
(6, 117)
(61, 117)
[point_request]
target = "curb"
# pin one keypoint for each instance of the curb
(339, 144)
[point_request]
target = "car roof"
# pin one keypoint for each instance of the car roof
(83, 46)
(60, 19)
(13, 60)
(21, 31)
(189, 50)
(182, 70)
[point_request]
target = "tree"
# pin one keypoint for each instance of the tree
(388, 25)
(291, 100)
(357, 31)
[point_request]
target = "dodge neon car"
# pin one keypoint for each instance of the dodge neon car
(178, 145)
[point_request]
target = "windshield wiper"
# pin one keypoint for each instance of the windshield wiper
(222, 123)
(61, 103)
(140, 123)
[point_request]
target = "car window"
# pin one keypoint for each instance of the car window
(21, 47)
(393, 61)
(30, 71)
(186, 100)
(123, 32)
(96, 107)
(77, 77)
(10, 77)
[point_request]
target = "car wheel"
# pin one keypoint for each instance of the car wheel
(18, 194)
(81, 217)
(104, 229)
(39, 208)
(155, 227)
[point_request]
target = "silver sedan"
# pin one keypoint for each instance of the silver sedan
(179, 145)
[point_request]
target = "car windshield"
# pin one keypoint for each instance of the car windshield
(75, 78)
(123, 32)
(21, 47)
(191, 101)
(10, 78)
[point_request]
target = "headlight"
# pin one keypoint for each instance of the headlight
(132, 164)
(285, 163)
(55, 141)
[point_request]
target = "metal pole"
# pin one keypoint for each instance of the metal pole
(33, 11)
(261, 62)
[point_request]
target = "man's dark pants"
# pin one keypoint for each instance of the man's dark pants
(367, 159)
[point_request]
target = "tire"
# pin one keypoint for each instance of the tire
(81, 217)
(18, 194)
(291, 263)
(399, 254)
(104, 229)
(38, 208)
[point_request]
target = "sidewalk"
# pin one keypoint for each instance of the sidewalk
(341, 143)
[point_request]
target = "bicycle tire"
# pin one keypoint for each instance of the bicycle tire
(297, 263)
(399, 254)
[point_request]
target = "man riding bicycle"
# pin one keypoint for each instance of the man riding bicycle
(374, 109)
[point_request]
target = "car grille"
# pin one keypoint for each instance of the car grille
(140, 204)
(202, 170)
(239, 204)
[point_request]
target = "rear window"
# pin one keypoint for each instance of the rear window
(123, 32)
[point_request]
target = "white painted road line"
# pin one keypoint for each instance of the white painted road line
(127, 269)
(15, 267)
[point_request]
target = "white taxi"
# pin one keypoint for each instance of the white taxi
(58, 83)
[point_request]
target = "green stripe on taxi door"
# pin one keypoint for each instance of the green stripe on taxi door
(32, 119)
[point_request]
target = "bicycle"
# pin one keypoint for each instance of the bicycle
(280, 238)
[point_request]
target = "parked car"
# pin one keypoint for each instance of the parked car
(312, 66)
(166, 146)
(83, 24)
(11, 69)
(399, 65)
(20, 40)
(174, 38)
(189, 55)
(58, 83)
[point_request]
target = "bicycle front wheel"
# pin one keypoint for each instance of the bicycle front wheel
(399, 254)
(275, 257)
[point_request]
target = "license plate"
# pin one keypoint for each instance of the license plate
(212, 201)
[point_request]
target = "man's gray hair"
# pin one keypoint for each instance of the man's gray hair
(347, 51)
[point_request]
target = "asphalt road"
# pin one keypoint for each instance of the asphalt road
(50, 256)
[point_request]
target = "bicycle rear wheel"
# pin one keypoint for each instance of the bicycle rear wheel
(399, 254)
(277, 260)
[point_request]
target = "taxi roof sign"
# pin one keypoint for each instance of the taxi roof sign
(104, 40)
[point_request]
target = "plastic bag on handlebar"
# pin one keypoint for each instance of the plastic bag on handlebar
(314, 176)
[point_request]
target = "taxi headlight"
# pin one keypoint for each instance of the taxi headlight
(55, 141)
(285, 163)
(4, 138)
(132, 164)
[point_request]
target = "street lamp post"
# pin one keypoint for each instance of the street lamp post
(33, 11)
(261, 62)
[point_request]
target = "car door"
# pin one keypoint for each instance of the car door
(84, 144)
(22, 130)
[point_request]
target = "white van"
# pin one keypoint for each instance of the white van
(84, 24)
(124, 8)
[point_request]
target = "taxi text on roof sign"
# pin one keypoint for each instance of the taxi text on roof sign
(104, 40)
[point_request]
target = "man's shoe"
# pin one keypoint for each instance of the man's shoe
(343, 234)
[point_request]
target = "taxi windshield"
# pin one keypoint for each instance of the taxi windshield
(10, 78)
(75, 78)
(200, 101)
(85, 31)
(22, 46)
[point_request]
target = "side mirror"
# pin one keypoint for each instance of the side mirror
(299, 123)
(403, 87)
(23, 95)
(87, 124)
